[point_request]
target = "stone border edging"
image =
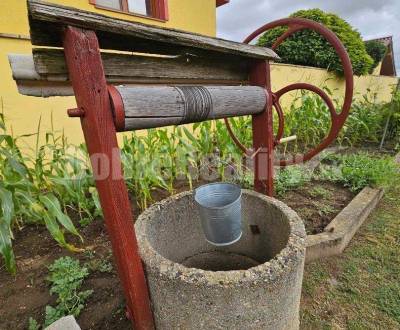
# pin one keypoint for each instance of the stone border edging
(337, 235)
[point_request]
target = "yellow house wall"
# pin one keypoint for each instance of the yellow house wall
(190, 15)
(377, 70)
(284, 74)
(23, 112)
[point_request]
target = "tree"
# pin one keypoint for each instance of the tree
(307, 47)
(376, 50)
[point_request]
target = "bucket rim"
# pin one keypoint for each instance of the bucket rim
(226, 244)
(218, 183)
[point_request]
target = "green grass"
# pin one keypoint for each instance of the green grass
(361, 288)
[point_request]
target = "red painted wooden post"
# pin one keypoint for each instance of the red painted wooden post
(87, 76)
(263, 139)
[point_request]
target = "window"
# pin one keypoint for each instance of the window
(113, 4)
(139, 6)
(152, 8)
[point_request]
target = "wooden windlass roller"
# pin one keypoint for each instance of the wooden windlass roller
(138, 107)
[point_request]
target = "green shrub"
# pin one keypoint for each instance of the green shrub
(309, 48)
(330, 173)
(376, 50)
(359, 170)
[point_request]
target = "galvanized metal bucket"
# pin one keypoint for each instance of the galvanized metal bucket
(220, 212)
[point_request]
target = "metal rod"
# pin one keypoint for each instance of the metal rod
(288, 139)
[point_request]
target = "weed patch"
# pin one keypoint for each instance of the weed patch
(66, 278)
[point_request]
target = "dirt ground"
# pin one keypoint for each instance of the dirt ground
(27, 294)
(317, 203)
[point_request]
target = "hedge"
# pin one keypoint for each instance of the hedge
(309, 48)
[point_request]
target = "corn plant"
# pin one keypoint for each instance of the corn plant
(140, 160)
(308, 118)
(31, 191)
(185, 158)
(365, 122)
(168, 147)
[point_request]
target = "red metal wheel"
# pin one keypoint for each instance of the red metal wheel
(279, 135)
(338, 119)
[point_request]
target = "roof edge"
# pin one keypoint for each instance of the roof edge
(221, 2)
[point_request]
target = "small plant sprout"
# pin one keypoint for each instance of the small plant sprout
(66, 278)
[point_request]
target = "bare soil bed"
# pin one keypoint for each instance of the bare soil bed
(27, 294)
(318, 203)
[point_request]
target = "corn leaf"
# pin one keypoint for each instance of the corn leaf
(7, 213)
(96, 200)
(6, 247)
(57, 234)
(7, 206)
(54, 229)
(53, 206)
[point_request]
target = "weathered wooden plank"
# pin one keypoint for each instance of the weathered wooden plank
(47, 21)
(31, 83)
(155, 106)
(131, 66)
(44, 88)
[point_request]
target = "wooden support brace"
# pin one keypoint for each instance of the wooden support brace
(83, 56)
(263, 139)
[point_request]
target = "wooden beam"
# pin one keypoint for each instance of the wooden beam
(45, 73)
(87, 76)
(131, 67)
(48, 20)
(263, 133)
